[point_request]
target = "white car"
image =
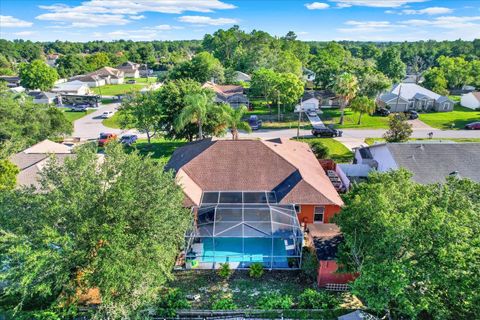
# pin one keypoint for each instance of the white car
(107, 114)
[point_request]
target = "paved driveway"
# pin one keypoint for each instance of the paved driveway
(90, 126)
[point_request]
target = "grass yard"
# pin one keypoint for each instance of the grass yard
(118, 89)
(285, 125)
(148, 80)
(160, 149)
(332, 116)
(456, 119)
(75, 115)
(336, 149)
(371, 141)
(112, 122)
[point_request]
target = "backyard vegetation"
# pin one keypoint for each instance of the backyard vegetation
(336, 150)
(73, 116)
(118, 89)
(456, 119)
(332, 116)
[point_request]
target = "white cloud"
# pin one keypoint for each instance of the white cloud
(355, 26)
(94, 13)
(375, 3)
(429, 11)
(167, 27)
(202, 20)
(12, 22)
(24, 33)
(317, 5)
(448, 22)
(140, 17)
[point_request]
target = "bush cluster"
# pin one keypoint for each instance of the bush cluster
(170, 301)
(319, 150)
(313, 299)
(310, 263)
(274, 300)
(224, 304)
(224, 270)
(256, 270)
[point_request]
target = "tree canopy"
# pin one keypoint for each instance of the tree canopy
(110, 229)
(399, 130)
(416, 247)
(37, 75)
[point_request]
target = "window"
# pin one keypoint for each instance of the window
(318, 214)
(297, 208)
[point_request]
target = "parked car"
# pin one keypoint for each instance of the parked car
(107, 114)
(326, 132)
(79, 108)
(131, 81)
(384, 112)
(473, 126)
(128, 139)
(312, 113)
(411, 114)
(254, 122)
(106, 138)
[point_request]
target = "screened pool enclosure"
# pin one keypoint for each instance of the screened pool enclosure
(242, 228)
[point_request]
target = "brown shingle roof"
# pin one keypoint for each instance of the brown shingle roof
(224, 90)
(286, 166)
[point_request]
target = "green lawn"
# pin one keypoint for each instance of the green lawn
(159, 149)
(336, 149)
(118, 89)
(456, 119)
(112, 122)
(148, 80)
(75, 115)
(332, 116)
(371, 141)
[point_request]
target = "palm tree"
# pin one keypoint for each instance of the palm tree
(195, 111)
(233, 119)
(346, 86)
(362, 104)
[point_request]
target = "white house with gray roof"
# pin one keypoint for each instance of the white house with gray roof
(430, 162)
(410, 96)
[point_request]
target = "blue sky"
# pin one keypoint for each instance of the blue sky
(373, 20)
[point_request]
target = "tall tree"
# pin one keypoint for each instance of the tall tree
(195, 111)
(362, 104)
(414, 246)
(263, 85)
(346, 86)
(8, 175)
(435, 80)
(98, 60)
(37, 75)
(142, 111)
(71, 65)
(390, 64)
(373, 83)
(399, 130)
(114, 226)
(234, 119)
(203, 67)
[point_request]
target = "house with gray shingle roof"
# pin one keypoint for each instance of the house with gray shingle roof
(410, 96)
(429, 162)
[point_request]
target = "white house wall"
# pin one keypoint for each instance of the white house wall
(469, 101)
(384, 158)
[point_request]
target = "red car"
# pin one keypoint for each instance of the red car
(473, 126)
(106, 138)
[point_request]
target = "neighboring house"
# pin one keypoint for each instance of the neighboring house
(411, 96)
(111, 75)
(12, 81)
(242, 77)
(52, 59)
(31, 161)
(413, 78)
(249, 199)
(232, 94)
(471, 100)
(44, 97)
(358, 315)
(325, 239)
(91, 80)
(321, 98)
(429, 162)
(308, 75)
(72, 87)
(130, 69)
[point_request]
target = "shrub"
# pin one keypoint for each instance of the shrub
(170, 301)
(224, 270)
(313, 299)
(310, 263)
(256, 270)
(319, 149)
(224, 304)
(272, 301)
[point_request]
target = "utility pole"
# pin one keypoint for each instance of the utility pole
(299, 117)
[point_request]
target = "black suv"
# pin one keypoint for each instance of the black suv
(384, 112)
(326, 132)
(411, 115)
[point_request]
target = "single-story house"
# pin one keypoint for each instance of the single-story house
(232, 94)
(242, 77)
(111, 75)
(411, 96)
(44, 97)
(130, 69)
(31, 161)
(250, 199)
(358, 315)
(429, 162)
(321, 98)
(325, 239)
(91, 80)
(52, 59)
(471, 100)
(308, 75)
(72, 87)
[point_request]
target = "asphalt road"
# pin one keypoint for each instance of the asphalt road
(90, 126)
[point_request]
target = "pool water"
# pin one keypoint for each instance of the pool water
(247, 250)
